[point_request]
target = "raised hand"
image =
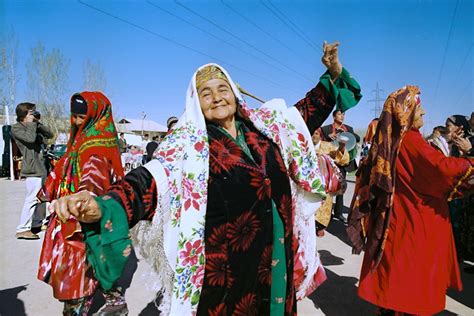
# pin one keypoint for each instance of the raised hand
(81, 205)
(463, 144)
(330, 59)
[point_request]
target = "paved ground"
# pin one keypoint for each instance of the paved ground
(22, 294)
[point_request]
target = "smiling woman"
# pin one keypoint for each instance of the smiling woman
(226, 236)
(218, 102)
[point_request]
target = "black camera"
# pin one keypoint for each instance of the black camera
(36, 115)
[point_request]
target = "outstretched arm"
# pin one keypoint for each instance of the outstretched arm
(135, 196)
(335, 87)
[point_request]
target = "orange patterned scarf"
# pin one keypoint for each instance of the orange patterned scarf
(372, 202)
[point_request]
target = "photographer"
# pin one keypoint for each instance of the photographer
(29, 134)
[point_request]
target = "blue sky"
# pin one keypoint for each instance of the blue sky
(425, 43)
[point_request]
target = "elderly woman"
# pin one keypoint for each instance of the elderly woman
(399, 213)
(231, 195)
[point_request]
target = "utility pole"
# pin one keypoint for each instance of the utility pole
(143, 120)
(377, 108)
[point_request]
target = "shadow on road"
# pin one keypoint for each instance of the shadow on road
(151, 309)
(338, 296)
(466, 296)
(338, 228)
(9, 302)
(328, 259)
(124, 282)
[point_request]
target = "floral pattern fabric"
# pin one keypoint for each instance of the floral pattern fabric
(215, 202)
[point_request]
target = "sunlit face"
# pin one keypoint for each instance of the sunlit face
(316, 137)
(436, 133)
(217, 101)
(339, 117)
(450, 129)
(78, 119)
(418, 120)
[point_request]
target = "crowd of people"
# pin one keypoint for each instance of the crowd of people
(228, 206)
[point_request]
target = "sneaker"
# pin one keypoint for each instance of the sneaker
(27, 235)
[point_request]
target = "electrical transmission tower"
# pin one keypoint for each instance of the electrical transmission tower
(377, 108)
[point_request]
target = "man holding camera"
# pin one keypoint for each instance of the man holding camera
(29, 134)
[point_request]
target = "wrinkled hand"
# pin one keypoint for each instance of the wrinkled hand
(81, 205)
(330, 59)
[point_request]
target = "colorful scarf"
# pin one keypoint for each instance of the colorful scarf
(371, 129)
(97, 136)
(372, 202)
(182, 172)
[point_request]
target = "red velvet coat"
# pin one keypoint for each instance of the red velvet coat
(419, 261)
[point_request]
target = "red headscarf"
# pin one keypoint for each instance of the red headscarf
(96, 136)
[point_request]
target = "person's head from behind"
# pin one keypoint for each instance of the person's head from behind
(78, 111)
(316, 137)
(338, 116)
(438, 131)
(171, 122)
(155, 138)
(217, 100)
(25, 112)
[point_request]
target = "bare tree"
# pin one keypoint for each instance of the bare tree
(94, 76)
(47, 84)
(9, 76)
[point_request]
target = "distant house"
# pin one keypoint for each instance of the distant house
(141, 127)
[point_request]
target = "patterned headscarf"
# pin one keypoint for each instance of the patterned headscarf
(96, 136)
(371, 129)
(372, 202)
(207, 73)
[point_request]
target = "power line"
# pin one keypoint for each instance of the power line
(294, 25)
(264, 31)
(243, 41)
(445, 52)
(289, 26)
(465, 59)
(215, 36)
(182, 45)
(463, 92)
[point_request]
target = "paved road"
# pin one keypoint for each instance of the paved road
(22, 294)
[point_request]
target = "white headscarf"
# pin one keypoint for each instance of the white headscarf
(174, 242)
